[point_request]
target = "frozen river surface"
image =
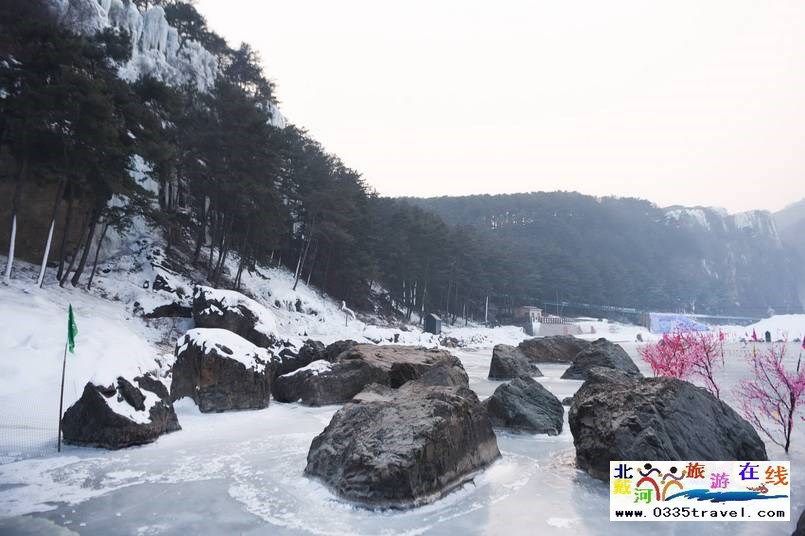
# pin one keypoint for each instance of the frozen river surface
(241, 473)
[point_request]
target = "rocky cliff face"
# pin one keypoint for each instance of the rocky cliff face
(156, 47)
(742, 253)
(157, 50)
(790, 223)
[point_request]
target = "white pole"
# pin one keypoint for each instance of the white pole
(45, 256)
(486, 311)
(11, 247)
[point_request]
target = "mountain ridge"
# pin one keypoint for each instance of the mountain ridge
(701, 259)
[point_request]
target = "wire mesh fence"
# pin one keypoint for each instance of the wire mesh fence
(29, 424)
(25, 437)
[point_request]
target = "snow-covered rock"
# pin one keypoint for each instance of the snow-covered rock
(294, 360)
(322, 383)
(120, 415)
(230, 310)
(221, 371)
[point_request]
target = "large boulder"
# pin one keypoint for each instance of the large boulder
(291, 360)
(447, 373)
(615, 416)
(400, 363)
(170, 310)
(222, 371)
(525, 405)
(120, 415)
(601, 353)
(509, 362)
(402, 448)
(323, 383)
(554, 349)
(230, 310)
(337, 348)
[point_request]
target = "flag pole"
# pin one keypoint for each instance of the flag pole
(61, 396)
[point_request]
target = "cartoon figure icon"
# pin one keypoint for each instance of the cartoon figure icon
(649, 470)
(762, 489)
(673, 480)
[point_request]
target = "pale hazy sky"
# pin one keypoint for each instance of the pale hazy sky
(676, 101)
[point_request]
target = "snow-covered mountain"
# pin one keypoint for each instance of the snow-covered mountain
(790, 223)
(744, 249)
(157, 49)
(756, 223)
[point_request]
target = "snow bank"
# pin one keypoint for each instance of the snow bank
(228, 344)
(780, 326)
(111, 342)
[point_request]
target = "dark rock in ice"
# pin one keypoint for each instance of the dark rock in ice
(447, 373)
(615, 416)
(402, 448)
(335, 349)
(510, 362)
(601, 353)
(525, 405)
(554, 349)
(324, 383)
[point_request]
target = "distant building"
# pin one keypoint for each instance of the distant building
(433, 324)
(528, 318)
(557, 325)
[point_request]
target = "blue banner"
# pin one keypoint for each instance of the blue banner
(670, 322)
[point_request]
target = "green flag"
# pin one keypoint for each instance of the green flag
(72, 329)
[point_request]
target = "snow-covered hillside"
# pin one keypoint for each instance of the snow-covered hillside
(116, 339)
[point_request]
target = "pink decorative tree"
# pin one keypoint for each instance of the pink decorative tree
(667, 357)
(706, 356)
(769, 400)
(687, 355)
